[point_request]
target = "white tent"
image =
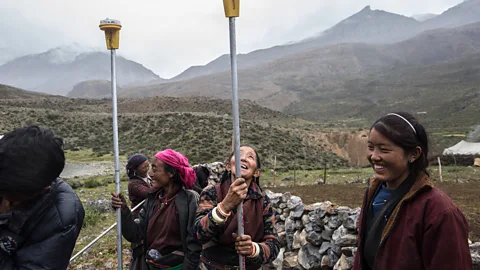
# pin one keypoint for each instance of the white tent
(463, 148)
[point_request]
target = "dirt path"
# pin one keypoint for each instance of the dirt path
(86, 169)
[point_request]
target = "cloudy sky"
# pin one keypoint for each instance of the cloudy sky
(169, 36)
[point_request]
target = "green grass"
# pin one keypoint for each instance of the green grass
(89, 156)
(345, 175)
(92, 182)
(303, 177)
(202, 138)
(454, 173)
(202, 131)
(309, 177)
(104, 251)
(92, 217)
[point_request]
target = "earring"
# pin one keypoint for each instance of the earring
(412, 160)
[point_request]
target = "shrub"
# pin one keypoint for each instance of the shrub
(92, 183)
(92, 217)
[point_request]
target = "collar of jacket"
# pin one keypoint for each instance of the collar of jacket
(155, 193)
(421, 183)
(254, 191)
(31, 209)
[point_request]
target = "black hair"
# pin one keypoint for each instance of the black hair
(132, 164)
(131, 173)
(227, 174)
(402, 134)
(176, 177)
(202, 173)
(31, 158)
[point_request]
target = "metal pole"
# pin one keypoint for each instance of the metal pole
(325, 173)
(275, 171)
(440, 169)
(295, 173)
(116, 154)
(101, 235)
(236, 124)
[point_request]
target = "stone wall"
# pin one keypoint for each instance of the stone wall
(321, 235)
(216, 170)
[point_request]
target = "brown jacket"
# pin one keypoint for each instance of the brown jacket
(425, 231)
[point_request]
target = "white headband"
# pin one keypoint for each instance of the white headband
(404, 119)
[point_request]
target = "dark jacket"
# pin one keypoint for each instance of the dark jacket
(186, 202)
(425, 231)
(45, 230)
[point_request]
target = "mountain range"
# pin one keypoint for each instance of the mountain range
(368, 64)
(56, 71)
(355, 80)
(367, 26)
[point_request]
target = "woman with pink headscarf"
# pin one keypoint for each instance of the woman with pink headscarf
(167, 217)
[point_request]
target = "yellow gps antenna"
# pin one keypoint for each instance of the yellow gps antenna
(232, 8)
(111, 28)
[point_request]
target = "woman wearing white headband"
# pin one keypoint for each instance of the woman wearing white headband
(406, 222)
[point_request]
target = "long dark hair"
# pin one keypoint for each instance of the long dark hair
(405, 136)
(228, 174)
(202, 173)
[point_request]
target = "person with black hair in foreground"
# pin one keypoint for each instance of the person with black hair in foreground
(405, 221)
(216, 221)
(40, 214)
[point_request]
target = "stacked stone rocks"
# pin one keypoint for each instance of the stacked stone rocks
(317, 236)
(216, 170)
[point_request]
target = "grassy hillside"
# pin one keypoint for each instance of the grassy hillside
(202, 136)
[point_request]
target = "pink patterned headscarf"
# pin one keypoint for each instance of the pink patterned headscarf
(179, 162)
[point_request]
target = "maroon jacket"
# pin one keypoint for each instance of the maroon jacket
(425, 231)
(138, 191)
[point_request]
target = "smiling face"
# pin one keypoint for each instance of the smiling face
(142, 169)
(160, 178)
(389, 161)
(248, 163)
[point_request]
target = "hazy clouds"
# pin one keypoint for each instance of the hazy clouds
(170, 36)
